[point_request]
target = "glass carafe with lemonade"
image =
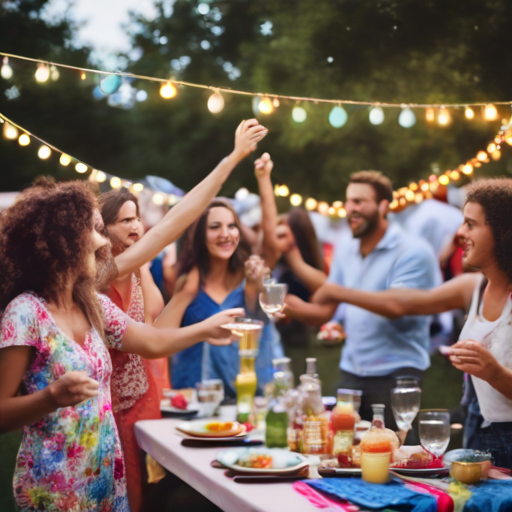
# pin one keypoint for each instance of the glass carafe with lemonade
(376, 449)
(249, 331)
(343, 421)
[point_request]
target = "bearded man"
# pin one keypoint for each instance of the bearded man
(379, 256)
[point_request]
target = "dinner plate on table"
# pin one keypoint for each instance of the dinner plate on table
(327, 471)
(283, 461)
(175, 412)
(204, 429)
(423, 473)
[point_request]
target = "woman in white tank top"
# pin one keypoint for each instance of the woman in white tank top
(485, 347)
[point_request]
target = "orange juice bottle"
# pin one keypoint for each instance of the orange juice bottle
(376, 449)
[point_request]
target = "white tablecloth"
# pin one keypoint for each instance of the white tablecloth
(192, 465)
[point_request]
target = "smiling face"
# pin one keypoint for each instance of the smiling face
(126, 228)
(362, 209)
(222, 233)
(477, 238)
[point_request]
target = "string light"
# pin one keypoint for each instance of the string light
(138, 187)
(101, 177)
(323, 207)
(409, 195)
(6, 70)
(469, 113)
(496, 154)
(444, 180)
(42, 73)
(168, 91)
(430, 115)
(10, 132)
(299, 115)
(83, 76)
(54, 73)
(276, 102)
(64, 160)
(44, 152)
(406, 119)
(215, 102)
(158, 199)
(490, 112)
(283, 191)
(482, 156)
(80, 168)
(443, 117)
(342, 213)
(24, 140)
(295, 199)
(115, 182)
(265, 106)
(310, 204)
(376, 116)
(338, 117)
(331, 211)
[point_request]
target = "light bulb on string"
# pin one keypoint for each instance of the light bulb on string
(295, 199)
(275, 102)
(444, 180)
(331, 210)
(158, 199)
(44, 152)
(310, 203)
(323, 207)
(6, 70)
(376, 116)
(24, 140)
(215, 102)
(299, 115)
(168, 91)
(283, 191)
(138, 187)
(115, 182)
(491, 148)
(496, 155)
(64, 159)
(338, 117)
(443, 117)
(481, 155)
(265, 105)
(111, 84)
(80, 168)
(406, 119)
(42, 73)
(469, 113)
(101, 177)
(342, 213)
(83, 76)
(10, 132)
(54, 73)
(430, 115)
(490, 112)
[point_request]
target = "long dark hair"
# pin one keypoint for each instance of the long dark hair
(305, 236)
(43, 244)
(195, 253)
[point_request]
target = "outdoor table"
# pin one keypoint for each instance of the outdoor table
(159, 439)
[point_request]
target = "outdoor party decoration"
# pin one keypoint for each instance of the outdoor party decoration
(110, 84)
(376, 116)
(6, 70)
(338, 117)
(215, 102)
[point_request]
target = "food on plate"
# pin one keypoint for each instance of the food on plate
(220, 426)
(179, 401)
(256, 461)
(414, 457)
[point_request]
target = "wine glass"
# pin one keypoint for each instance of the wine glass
(249, 331)
(434, 427)
(405, 404)
(272, 297)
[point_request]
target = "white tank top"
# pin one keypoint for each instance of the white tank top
(497, 338)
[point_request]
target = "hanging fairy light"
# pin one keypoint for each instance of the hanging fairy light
(265, 106)
(481, 155)
(406, 119)
(342, 213)
(6, 70)
(101, 177)
(80, 168)
(299, 115)
(443, 117)
(24, 140)
(83, 75)
(283, 191)
(158, 199)
(42, 73)
(338, 117)
(496, 155)
(54, 73)
(444, 180)
(276, 103)
(467, 169)
(138, 187)
(295, 199)
(115, 182)
(215, 102)
(409, 195)
(44, 152)
(168, 91)
(376, 116)
(490, 112)
(64, 159)
(491, 148)
(323, 207)
(430, 115)
(10, 132)
(111, 84)
(469, 113)
(310, 203)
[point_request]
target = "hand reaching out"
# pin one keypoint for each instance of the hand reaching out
(217, 334)
(72, 388)
(471, 357)
(247, 136)
(263, 166)
(256, 270)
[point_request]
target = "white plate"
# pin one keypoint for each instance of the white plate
(165, 406)
(197, 429)
(230, 456)
(420, 472)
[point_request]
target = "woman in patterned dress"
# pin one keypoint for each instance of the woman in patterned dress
(54, 363)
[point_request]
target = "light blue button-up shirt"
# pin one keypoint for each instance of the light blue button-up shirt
(376, 345)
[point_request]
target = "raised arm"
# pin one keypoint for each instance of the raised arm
(396, 302)
(310, 276)
(247, 136)
(307, 313)
(262, 169)
(153, 300)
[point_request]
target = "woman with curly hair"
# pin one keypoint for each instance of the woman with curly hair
(485, 347)
(55, 369)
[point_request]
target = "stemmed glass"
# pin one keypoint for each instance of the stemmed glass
(405, 403)
(434, 427)
(272, 297)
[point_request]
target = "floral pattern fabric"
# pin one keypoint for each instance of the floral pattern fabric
(71, 459)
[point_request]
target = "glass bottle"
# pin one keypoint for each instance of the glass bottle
(376, 449)
(343, 420)
(245, 385)
(315, 425)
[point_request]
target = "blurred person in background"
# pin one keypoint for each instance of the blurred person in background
(377, 350)
(136, 393)
(484, 347)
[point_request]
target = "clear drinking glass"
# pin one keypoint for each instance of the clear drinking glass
(405, 404)
(272, 297)
(249, 331)
(350, 395)
(434, 429)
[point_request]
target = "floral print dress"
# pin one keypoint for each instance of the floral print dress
(71, 459)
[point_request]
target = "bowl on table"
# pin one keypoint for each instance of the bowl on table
(469, 466)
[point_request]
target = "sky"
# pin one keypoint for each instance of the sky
(101, 22)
